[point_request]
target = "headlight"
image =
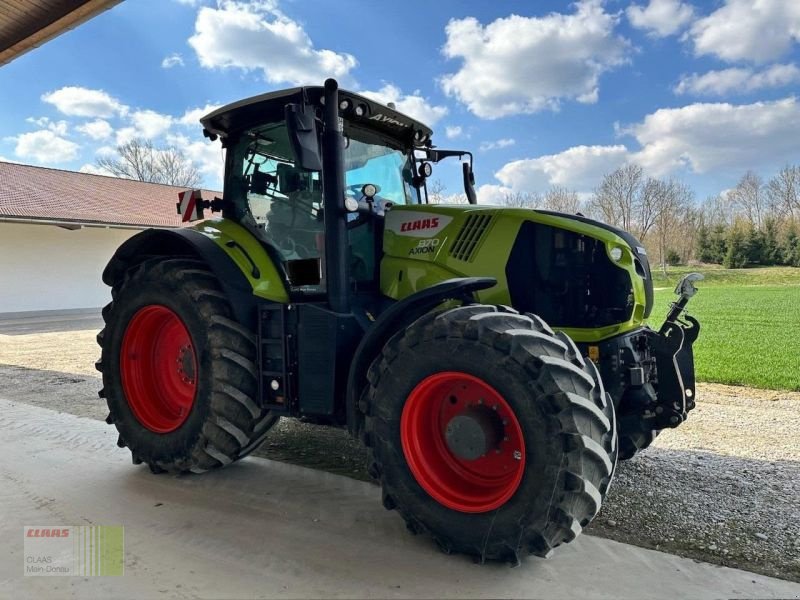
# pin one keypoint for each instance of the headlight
(616, 253)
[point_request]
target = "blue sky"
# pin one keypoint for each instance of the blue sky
(545, 93)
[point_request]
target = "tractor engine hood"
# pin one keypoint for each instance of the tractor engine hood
(587, 278)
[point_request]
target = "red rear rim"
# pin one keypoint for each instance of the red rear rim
(462, 442)
(159, 368)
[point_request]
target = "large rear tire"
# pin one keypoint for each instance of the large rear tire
(539, 471)
(179, 372)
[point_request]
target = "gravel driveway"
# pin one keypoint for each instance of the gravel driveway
(723, 487)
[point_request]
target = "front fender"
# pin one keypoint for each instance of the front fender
(397, 316)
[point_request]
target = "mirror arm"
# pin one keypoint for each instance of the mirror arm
(469, 182)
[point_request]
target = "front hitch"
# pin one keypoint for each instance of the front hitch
(672, 347)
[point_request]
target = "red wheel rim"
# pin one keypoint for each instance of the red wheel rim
(158, 368)
(472, 485)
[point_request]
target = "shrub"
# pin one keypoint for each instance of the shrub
(673, 258)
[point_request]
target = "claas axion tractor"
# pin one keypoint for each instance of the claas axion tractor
(495, 361)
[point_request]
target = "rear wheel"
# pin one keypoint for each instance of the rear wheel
(490, 432)
(179, 373)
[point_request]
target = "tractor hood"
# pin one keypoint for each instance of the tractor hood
(576, 273)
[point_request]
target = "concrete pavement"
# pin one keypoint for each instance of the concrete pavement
(22, 323)
(266, 529)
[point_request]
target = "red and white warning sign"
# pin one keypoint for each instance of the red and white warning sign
(189, 205)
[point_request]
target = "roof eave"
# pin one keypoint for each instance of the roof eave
(72, 19)
(70, 223)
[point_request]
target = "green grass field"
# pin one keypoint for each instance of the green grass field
(750, 321)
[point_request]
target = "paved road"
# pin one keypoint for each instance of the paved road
(266, 529)
(49, 321)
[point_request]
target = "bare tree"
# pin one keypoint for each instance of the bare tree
(436, 191)
(522, 199)
(615, 197)
(139, 159)
(561, 199)
(684, 236)
(783, 192)
(437, 194)
(750, 199)
(670, 201)
(716, 210)
(626, 199)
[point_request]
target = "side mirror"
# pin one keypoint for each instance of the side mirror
(303, 137)
(469, 183)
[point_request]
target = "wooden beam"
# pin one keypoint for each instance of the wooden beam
(79, 15)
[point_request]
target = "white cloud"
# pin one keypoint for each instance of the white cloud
(173, 60)
(453, 131)
(527, 64)
(57, 127)
(737, 80)
(704, 137)
(125, 135)
(191, 117)
(98, 129)
(38, 121)
(94, 170)
(46, 146)
(660, 17)
(492, 194)
(413, 105)
(149, 124)
(106, 151)
(580, 168)
(497, 144)
(83, 102)
(753, 30)
(257, 36)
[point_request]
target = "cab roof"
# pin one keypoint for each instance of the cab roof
(239, 116)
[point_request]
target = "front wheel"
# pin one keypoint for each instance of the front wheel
(489, 432)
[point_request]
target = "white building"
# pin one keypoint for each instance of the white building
(58, 230)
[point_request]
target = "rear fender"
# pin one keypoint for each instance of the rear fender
(245, 272)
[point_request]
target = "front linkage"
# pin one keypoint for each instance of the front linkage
(650, 374)
(672, 346)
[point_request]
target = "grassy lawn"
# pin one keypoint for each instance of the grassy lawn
(750, 321)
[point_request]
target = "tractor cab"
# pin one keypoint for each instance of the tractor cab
(278, 147)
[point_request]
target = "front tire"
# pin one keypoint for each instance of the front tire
(539, 471)
(179, 372)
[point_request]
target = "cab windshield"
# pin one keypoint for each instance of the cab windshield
(387, 168)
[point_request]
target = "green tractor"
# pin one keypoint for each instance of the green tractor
(495, 361)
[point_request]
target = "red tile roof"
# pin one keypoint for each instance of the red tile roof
(28, 192)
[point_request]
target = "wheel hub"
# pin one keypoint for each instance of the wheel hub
(474, 433)
(185, 362)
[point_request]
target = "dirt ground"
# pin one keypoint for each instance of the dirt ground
(723, 487)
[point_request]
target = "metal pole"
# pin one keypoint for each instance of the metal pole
(337, 266)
